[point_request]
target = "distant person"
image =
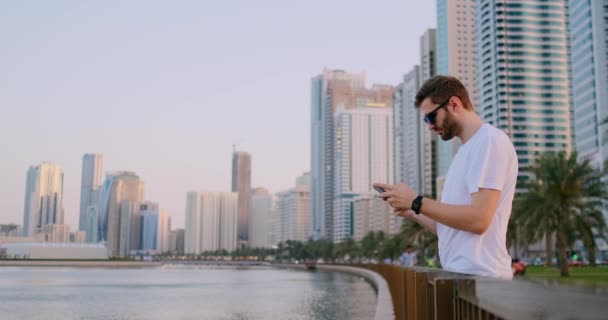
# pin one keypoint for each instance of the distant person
(471, 218)
(409, 258)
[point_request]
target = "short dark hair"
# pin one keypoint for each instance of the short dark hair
(441, 88)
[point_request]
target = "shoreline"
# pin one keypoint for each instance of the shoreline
(79, 263)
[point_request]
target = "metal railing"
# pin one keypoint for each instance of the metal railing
(426, 293)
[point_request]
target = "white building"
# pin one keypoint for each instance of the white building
(263, 213)
(322, 140)
(228, 221)
(90, 186)
(210, 222)
(363, 155)
(164, 230)
(294, 212)
(43, 198)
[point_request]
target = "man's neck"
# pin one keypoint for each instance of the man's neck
(470, 126)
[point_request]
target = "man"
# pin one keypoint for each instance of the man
(408, 258)
(472, 217)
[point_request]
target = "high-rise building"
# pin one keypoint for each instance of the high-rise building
(92, 224)
(43, 198)
(90, 185)
(371, 213)
(330, 90)
(523, 79)
(126, 227)
(149, 226)
(294, 212)
(241, 183)
(428, 140)
(228, 221)
(263, 210)
(164, 230)
(363, 155)
(456, 56)
(588, 21)
(176, 241)
(121, 196)
(211, 221)
(407, 127)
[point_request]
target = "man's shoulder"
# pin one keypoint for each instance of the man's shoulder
(493, 135)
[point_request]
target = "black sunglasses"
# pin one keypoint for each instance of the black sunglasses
(429, 118)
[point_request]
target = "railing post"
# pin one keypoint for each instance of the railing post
(421, 295)
(444, 299)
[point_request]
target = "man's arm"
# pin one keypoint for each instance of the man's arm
(428, 223)
(475, 218)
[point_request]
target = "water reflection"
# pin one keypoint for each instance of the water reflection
(182, 293)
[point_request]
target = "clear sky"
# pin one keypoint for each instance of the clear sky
(164, 88)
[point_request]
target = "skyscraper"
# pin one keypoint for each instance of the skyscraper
(263, 210)
(294, 212)
(211, 221)
(363, 155)
(228, 221)
(121, 196)
(428, 140)
(523, 75)
(43, 198)
(331, 90)
(589, 58)
(456, 56)
(407, 137)
(90, 184)
(150, 217)
(241, 183)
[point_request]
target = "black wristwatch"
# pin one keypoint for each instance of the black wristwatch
(416, 204)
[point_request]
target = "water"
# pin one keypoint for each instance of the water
(180, 292)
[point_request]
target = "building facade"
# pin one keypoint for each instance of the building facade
(121, 196)
(363, 155)
(90, 186)
(456, 56)
(330, 91)
(523, 79)
(43, 203)
(241, 184)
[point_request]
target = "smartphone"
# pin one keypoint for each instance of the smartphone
(381, 190)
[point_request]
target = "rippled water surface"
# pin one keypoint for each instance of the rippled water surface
(182, 293)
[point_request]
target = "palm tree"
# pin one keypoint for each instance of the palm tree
(564, 197)
(413, 233)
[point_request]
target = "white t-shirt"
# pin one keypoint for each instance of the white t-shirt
(488, 160)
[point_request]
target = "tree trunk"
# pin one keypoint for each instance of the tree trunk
(562, 249)
(549, 248)
(591, 250)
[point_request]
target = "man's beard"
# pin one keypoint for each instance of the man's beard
(449, 128)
